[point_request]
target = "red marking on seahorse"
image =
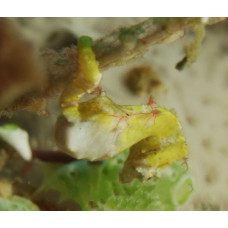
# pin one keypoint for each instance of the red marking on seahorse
(150, 101)
(154, 112)
(119, 120)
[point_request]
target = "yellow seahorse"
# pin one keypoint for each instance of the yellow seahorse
(98, 129)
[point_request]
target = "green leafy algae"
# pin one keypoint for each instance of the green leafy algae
(96, 186)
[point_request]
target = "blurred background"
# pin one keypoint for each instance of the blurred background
(198, 94)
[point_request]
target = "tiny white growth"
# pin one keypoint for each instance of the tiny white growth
(205, 19)
(164, 142)
(147, 173)
(173, 37)
(18, 139)
(145, 109)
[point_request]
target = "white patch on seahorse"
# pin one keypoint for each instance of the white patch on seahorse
(91, 140)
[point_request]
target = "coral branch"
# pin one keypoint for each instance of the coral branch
(117, 48)
(126, 44)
